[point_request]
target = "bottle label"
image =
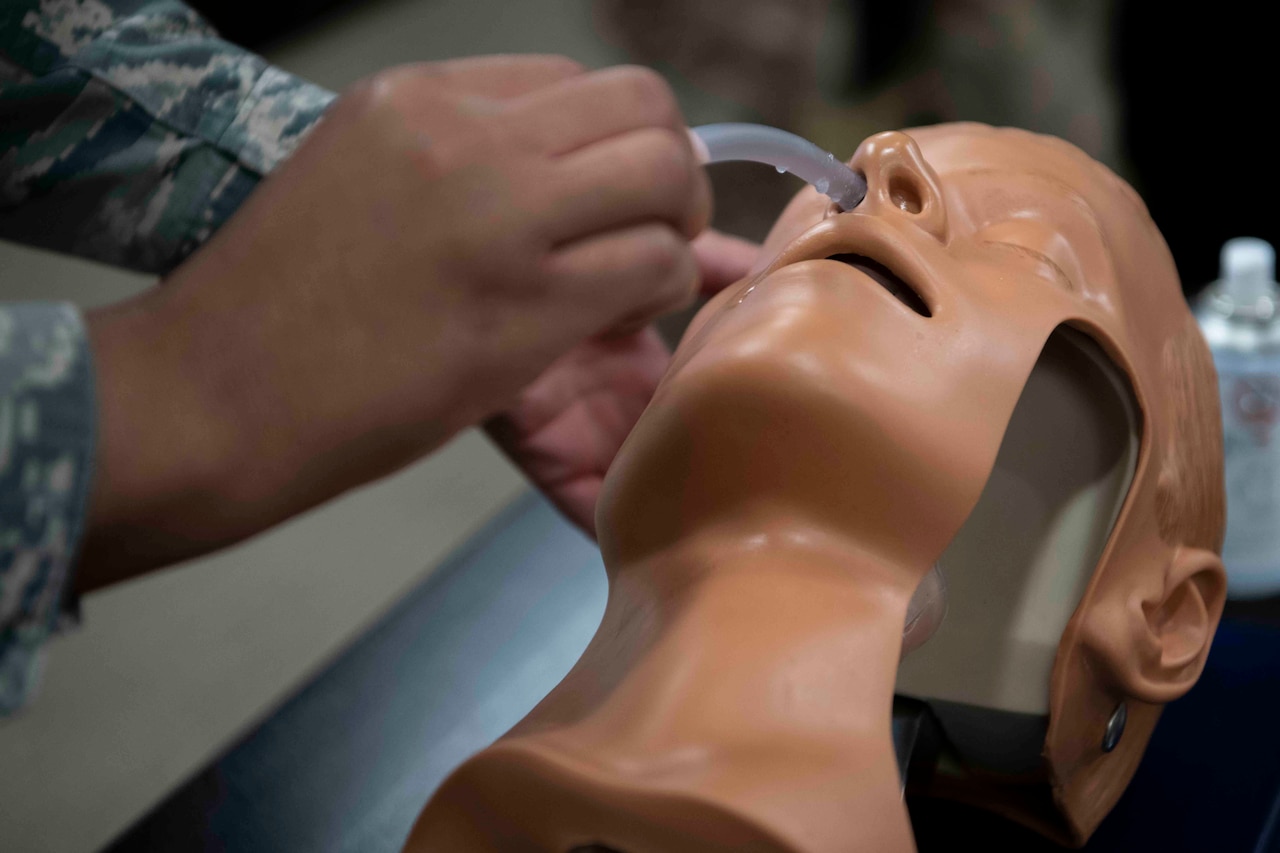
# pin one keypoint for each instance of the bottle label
(1251, 445)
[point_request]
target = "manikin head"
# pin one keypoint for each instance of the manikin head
(987, 365)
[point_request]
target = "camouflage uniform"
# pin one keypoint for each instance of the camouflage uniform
(128, 134)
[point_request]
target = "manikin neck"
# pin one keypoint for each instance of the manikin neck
(737, 695)
(763, 602)
(771, 651)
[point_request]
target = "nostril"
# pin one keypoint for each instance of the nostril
(835, 208)
(905, 195)
(593, 848)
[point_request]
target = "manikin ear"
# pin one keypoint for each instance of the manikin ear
(1171, 632)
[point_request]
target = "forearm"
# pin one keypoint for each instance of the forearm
(216, 422)
(163, 443)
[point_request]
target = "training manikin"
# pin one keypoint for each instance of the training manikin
(988, 365)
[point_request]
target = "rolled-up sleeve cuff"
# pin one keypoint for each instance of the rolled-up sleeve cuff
(47, 419)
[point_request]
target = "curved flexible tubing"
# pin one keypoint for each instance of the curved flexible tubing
(786, 152)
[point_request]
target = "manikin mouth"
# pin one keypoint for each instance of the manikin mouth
(887, 279)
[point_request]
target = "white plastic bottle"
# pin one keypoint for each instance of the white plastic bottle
(1240, 317)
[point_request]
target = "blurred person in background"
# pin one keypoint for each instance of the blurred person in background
(1147, 90)
(1025, 63)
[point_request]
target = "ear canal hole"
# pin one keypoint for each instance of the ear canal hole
(905, 195)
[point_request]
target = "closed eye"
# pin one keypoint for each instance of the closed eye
(1063, 278)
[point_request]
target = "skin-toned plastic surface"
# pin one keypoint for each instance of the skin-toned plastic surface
(824, 431)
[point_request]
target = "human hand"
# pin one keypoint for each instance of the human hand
(445, 234)
(564, 429)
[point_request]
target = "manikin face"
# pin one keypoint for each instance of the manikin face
(863, 386)
(884, 348)
(864, 381)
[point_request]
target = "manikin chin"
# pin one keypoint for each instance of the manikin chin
(988, 367)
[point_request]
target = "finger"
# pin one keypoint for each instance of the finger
(595, 106)
(722, 259)
(577, 499)
(498, 77)
(629, 277)
(644, 175)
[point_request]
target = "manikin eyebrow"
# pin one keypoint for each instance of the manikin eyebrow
(1039, 256)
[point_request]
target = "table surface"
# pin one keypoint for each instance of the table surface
(350, 760)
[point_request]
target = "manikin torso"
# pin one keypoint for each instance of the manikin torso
(826, 430)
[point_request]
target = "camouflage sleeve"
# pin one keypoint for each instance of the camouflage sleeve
(129, 132)
(46, 450)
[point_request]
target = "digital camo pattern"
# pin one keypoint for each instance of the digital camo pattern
(46, 452)
(129, 132)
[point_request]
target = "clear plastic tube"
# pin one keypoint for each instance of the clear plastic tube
(786, 152)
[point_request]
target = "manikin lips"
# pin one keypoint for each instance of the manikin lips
(887, 279)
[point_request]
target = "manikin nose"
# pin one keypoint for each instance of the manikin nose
(900, 183)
